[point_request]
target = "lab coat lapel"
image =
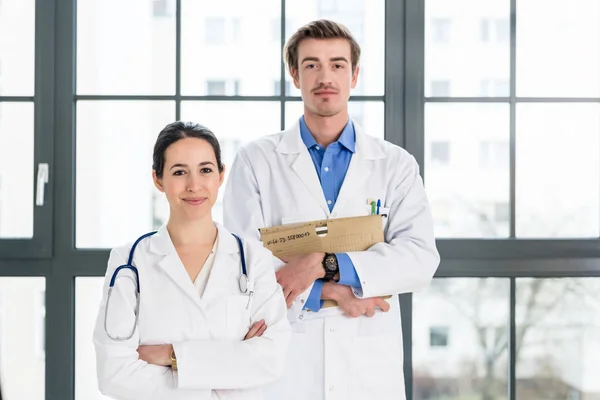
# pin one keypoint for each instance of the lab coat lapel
(360, 168)
(292, 144)
(225, 263)
(170, 262)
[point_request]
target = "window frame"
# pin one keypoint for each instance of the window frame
(39, 246)
(55, 257)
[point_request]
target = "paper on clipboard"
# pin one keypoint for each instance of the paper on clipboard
(339, 235)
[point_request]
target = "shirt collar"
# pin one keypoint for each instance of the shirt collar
(346, 139)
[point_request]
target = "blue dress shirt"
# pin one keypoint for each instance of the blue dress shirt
(331, 165)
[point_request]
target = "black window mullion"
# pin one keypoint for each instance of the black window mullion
(60, 293)
(512, 345)
(282, 72)
(178, 60)
(513, 120)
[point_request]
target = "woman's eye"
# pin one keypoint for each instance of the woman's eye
(179, 172)
(206, 170)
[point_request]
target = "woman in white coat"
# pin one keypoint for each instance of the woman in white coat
(199, 332)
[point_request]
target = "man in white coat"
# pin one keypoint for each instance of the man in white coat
(326, 166)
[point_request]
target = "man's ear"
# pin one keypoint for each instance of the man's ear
(355, 77)
(295, 77)
(157, 182)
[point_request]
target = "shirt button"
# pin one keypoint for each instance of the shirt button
(328, 201)
(302, 301)
(331, 388)
(326, 169)
(331, 330)
(301, 316)
(356, 293)
(318, 148)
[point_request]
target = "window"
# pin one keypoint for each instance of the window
(162, 8)
(494, 154)
(438, 336)
(440, 89)
(236, 29)
(494, 88)
(216, 88)
(495, 30)
(326, 6)
(277, 87)
(502, 212)
(441, 30)
(440, 152)
(214, 31)
(223, 88)
(41, 325)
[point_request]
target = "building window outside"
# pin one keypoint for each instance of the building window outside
(214, 31)
(494, 154)
(438, 336)
(162, 8)
(495, 30)
(441, 30)
(440, 88)
(440, 152)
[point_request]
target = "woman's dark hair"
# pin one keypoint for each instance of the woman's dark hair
(180, 130)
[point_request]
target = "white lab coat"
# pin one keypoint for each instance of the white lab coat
(207, 333)
(273, 181)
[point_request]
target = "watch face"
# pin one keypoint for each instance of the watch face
(331, 263)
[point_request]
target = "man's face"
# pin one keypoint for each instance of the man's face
(325, 75)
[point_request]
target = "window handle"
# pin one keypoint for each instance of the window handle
(42, 180)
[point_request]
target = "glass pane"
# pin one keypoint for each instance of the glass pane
(251, 120)
(230, 47)
(88, 294)
(365, 19)
(460, 340)
(368, 115)
(22, 338)
(558, 48)
(125, 47)
(467, 48)
(467, 168)
(114, 169)
(17, 47)
(16, 170)
(558, 338)
(558, 170)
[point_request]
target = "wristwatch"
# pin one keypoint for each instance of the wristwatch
(330, 264)
(173, 360)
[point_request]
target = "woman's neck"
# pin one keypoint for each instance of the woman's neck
(197, 232)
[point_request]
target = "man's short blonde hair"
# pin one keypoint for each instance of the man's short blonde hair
(319, 29)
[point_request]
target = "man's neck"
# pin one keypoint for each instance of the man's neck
(326, 130)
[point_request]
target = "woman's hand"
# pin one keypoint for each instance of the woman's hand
(159, 354)
(257, 329)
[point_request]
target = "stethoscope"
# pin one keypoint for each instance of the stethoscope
(246, 285)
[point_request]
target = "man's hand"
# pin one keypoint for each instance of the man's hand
(298, 274)
(159, 354)
(352, 306)
(256, 330)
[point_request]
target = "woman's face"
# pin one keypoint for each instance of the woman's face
(190, 178)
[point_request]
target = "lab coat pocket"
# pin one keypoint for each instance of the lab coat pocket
(383, 211)
(238, 317)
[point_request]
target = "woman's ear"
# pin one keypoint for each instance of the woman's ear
(157, 181)
(222, 175)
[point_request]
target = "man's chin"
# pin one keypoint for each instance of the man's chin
(327, 112)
